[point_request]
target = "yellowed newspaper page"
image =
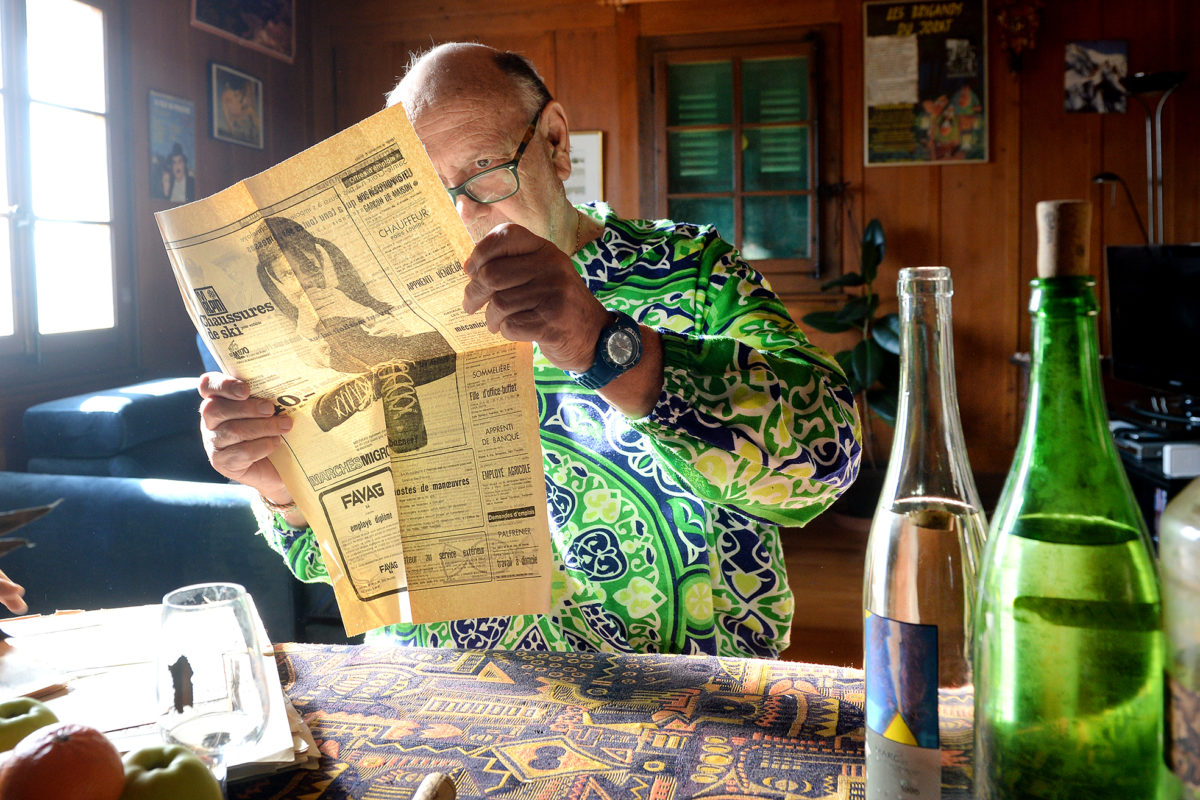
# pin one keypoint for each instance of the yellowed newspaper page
(333, 284)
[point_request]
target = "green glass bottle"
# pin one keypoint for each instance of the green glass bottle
(1069, 643)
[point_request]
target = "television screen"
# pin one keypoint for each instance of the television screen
(1154, 318)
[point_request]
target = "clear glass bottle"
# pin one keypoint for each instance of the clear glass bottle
(919, 581)
(1069, 651)
(1179, 555)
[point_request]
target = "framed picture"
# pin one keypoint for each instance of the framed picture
(236, 102)
(1094, 76)
(925, 82)
(172, 148)
(587, 167)
(268, 26)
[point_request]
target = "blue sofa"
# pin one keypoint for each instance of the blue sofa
(115, 542)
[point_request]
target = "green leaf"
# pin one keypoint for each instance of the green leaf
(886, 332)
(843, 359)
(867, 362)
(826, 322)
(883, 403)
(845, 279)
(872, 249)
(857, 309)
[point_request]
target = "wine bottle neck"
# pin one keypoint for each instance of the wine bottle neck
(928, 456)
(1065, 458)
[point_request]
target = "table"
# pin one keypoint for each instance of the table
(587, 726)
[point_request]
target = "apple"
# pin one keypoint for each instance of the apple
(20, 717)
(168, 772)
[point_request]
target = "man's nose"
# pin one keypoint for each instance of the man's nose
(472, 213)
(467, 207)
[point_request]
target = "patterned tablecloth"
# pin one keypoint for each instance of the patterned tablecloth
(569, 725)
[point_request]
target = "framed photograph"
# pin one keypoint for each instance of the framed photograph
(172, 148)
(236, 102)
(268, 26)
(1094, 77)
(587, 167)
(925, 82)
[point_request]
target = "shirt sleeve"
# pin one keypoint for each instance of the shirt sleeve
(298, 546)
(752, 415)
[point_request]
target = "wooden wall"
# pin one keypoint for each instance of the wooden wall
(166, 54)
(977, 218)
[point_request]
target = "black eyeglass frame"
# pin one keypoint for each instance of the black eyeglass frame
(511, 166)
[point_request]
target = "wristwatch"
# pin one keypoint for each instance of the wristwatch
(618, 350)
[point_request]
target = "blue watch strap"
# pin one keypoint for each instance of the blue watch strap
(618, 350)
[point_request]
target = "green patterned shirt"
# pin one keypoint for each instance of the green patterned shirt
(665, 529)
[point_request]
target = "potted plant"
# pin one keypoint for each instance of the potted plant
(872, 365)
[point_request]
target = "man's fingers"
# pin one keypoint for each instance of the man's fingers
(236, 431)
(11, 594)
(215, 411)
(236, 459)
(504, 240)
(218, 384)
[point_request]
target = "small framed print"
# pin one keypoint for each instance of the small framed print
(236, 103)
(587, 167)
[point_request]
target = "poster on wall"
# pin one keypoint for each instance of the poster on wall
(268, 26)
(172, 148)
(925, 82)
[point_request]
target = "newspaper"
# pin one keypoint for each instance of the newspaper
(332, 283)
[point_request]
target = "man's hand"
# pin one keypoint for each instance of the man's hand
(240, 432)
(534, 294)
(10, 595)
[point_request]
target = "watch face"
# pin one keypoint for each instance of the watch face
(621, 348)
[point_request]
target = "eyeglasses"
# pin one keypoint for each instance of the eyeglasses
(496, 183)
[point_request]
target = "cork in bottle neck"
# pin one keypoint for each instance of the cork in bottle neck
(1063, 229)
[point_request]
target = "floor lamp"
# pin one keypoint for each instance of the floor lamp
(1138, 85)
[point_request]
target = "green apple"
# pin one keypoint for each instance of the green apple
(168, 772)
(20, 717)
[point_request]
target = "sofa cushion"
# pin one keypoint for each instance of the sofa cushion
(178, 457)
(106, 423)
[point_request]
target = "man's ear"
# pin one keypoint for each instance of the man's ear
(559, 138)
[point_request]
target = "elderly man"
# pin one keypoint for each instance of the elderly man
(684, 416)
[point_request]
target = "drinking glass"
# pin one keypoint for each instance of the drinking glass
(212, 687)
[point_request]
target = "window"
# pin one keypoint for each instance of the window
(736, 139)
(59, 281)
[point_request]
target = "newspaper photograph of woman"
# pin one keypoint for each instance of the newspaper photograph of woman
(313, 283)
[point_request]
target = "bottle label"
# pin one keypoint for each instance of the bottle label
(898, 771)
(900, 663)
(1183, 745)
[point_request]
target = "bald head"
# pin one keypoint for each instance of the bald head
(459, 70)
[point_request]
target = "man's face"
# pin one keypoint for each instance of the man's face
(179, 167)
(466, 135)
